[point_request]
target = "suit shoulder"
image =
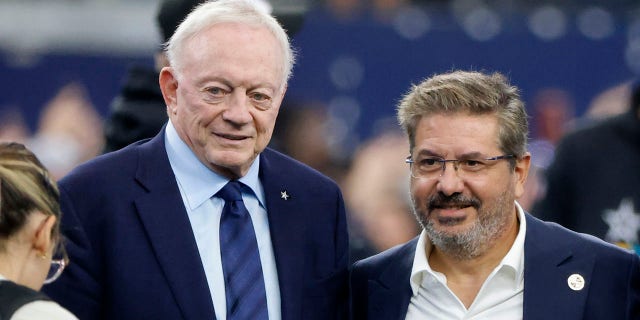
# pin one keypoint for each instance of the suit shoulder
(287, 166)
(584, 243)
(378, 263)
(105, 166)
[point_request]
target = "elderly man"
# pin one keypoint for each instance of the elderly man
(480, 256)
(203, 221)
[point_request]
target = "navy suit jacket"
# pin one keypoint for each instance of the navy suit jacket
(380, 287)
(133, 253)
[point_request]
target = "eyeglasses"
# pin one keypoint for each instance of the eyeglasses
(57, 264)
(432, 167)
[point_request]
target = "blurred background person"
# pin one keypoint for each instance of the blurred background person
(68, 130)
(373, 177)
(553, 111)
(610, 102)
(552, 116)
(139, 111)
(12, 125)
(31, 249)
(593, 183)
(377, 196)
(304, 132)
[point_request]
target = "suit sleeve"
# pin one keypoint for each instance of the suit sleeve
(78, 288)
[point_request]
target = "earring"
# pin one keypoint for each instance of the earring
(42, 256)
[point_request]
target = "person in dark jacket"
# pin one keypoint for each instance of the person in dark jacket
(593, 183)
(139, 111)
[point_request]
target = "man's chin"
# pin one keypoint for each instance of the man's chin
(450, 227)
(230, 162)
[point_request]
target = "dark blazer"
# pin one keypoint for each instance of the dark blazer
(380, 287)
(133, 253)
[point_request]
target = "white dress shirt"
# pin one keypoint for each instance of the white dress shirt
(500, 297)
(41, 310)
(198, 185)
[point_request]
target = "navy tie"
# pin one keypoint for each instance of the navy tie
(243, 279)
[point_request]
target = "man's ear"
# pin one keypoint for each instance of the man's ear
(522, 171)
(169, 87)
(42, 239)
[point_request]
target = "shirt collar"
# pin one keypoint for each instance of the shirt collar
(199, 183)
(514, 258)
(420, 262)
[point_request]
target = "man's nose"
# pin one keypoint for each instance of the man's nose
(449, 182)
(237, 109)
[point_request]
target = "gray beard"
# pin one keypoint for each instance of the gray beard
(491, 224)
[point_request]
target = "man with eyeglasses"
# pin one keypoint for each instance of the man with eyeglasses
(480, 256)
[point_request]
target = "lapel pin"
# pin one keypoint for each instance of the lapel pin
(284, 195)
(575, 282)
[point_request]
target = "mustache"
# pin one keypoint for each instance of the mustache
(440, 200)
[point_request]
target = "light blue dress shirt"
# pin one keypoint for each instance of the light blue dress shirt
(198, 185)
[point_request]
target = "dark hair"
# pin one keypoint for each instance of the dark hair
(25, 186)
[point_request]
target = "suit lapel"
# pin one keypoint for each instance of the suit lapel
(390, 294)
(167, 225)
(287, 227)
(549, 262)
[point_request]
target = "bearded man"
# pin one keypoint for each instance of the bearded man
(480, 256)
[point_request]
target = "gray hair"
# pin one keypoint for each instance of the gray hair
(472, 93)
(239, 11)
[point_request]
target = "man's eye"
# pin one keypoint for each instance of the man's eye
(472, 164)
(261, 100)
(215, 91)
(429, 162)
(259, 97)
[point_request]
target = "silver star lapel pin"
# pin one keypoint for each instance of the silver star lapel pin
(284, 195)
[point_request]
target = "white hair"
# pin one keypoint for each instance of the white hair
(249, 12)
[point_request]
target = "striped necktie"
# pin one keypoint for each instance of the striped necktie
(243, 279)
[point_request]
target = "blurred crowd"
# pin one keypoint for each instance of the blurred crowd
(373, 175)
(68, 132)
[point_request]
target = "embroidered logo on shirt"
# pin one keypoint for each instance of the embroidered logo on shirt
(624, 224)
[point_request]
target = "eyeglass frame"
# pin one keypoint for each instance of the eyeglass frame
(59, 264)
(456, 162)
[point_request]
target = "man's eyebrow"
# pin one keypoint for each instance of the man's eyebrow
(471, 155)
(428, 153)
